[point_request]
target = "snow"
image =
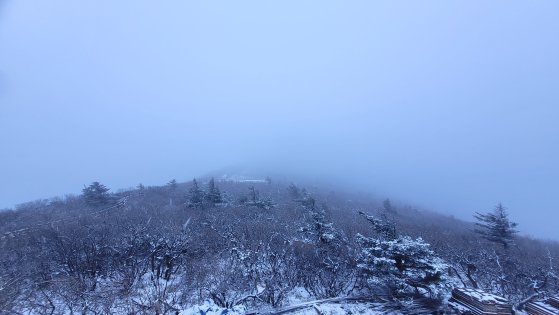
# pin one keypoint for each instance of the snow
(297, 295)
(209, 308)
(343, 308)
(547, 307)
(484, 296)
(459, 307)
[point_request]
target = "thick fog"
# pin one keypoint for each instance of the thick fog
(450, 106)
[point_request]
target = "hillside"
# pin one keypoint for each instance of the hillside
(250, 244)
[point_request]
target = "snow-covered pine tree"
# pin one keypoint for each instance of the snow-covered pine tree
(384, 227)
(328, 269)
(399, 263)
(323, 230)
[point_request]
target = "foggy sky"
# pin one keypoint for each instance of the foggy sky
(452, 106)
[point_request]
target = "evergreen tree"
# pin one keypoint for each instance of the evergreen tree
(322, 229)
(196, 195)
(294, 191)
(172, 184)
(214, 195)
(495, 226)
(383, 228)
(387, 205)
(253, 194)
(253, 199)
(398, 262)
(141, 189)
(96, 194)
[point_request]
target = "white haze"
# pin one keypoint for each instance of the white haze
(451, 106)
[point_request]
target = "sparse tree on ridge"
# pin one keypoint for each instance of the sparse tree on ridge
(96, 194)
(196, 195)
(496, 227)
(253, 199)
(253, 194)
(294, 191)
(172, 184)
(387, 205)
(214, 195)
(141, 189)
(384, 228)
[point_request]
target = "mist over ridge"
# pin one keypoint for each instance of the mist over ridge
(448, 106)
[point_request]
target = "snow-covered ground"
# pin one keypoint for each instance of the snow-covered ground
(209, 308)
(342, 308)
(298, 302)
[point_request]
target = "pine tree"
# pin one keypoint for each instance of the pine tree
(496, 227)
(400, 263)
(96, 194)
(397, 261)
(214, 195)
(141, 189)
(172, 184)
(196, 195)
(383, 228)
(253, 199)
(323, 229)
(253, 194)
(387, 206)
(294, 191)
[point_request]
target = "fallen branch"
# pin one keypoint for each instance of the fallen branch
(522, 303)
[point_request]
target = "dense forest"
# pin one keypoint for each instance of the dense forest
(254, 245)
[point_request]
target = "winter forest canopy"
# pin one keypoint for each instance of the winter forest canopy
(255, 245)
